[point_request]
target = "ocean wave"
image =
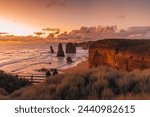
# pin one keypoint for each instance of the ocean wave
(29, 58)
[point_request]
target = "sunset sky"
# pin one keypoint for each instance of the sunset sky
(23, 17)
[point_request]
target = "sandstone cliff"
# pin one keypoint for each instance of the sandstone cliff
(84, 45)
(122, 54)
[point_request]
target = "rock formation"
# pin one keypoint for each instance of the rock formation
(51, 49)
(55, 72)
(121, 54)
(96, 59)
(70, 48)
(69, 60)
(60, 52)
(85, 45)
(48, 73)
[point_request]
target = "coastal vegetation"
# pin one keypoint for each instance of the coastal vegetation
(99, 83)
(10, 83)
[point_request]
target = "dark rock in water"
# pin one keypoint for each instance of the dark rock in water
(60, 52)
(48, 73)
(69, 60)
(51, 49)
(55, 72)
(70, 48)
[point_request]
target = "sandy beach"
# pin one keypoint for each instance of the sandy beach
(81, 67)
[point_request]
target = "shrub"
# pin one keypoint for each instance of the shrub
(10, 83)
(101, 83)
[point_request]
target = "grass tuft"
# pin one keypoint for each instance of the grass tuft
(101, 83)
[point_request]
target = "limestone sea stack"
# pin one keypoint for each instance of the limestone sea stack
(70, 48)
(69, 60)
(51, 49)
(60, 52)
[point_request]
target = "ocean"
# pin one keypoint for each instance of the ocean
(30, 58)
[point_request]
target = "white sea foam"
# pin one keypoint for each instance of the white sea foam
(28, 59)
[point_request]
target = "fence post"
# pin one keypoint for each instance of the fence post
(32, 78)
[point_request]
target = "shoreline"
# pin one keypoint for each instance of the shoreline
(80, 67)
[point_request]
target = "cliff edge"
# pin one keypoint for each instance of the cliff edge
(123, 54)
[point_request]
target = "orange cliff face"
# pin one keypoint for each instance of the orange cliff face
(122, 54)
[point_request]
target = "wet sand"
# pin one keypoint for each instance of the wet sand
(81, 67)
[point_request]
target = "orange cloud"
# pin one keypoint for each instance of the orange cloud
(100, 32)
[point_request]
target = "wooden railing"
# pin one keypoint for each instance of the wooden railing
(34, 79)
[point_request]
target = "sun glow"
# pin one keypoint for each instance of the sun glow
(14, 28)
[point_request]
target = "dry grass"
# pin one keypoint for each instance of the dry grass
(101, 83)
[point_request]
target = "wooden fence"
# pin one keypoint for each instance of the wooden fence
(34, 79)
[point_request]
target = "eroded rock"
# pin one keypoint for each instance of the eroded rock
(70, 48)
(69, 60)
(60, 52)
(122, 54)
(51, 49)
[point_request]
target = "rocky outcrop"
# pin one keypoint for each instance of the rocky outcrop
(121, 54)
(69, 60)
(60, 52)
(85, 45)
(51, 49)
(70, 48)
